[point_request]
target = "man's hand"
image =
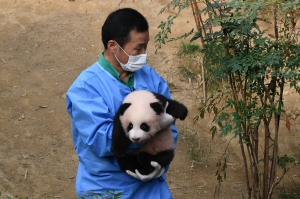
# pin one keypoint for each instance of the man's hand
(166, 119)
(158, 171)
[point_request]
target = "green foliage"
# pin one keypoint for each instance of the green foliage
(107, 195)
(284, 161)
(17, 197)
(257, 65)
(189, 48)
(289, 195)
(289, 191)
(162, 36)
(165, 26)
(3, 195)
(180, 4)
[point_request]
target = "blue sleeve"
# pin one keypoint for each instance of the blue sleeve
(91, 119)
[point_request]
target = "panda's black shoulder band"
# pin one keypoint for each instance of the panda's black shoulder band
(157, 107)
(161, 98)
(123, 108)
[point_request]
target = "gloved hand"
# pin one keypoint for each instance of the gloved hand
(165, 119)
(158, 171)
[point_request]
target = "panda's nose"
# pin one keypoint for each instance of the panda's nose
(135, 139)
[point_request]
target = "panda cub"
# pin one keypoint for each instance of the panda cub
(138, 121)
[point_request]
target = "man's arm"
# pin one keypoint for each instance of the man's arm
(91, 119)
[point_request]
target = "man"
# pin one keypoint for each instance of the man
(93, 100)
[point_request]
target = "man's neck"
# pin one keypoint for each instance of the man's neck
(124, 76)
(111, 59)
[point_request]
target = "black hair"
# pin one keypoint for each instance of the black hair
(120, 23)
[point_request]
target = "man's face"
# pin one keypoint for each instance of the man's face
(137, 45)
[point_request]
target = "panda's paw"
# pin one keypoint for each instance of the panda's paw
(118, 152)
(181, 112)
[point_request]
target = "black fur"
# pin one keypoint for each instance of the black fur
(157, 107)
(176, 109)
(123, 108)
(141, 161)
(120, 141)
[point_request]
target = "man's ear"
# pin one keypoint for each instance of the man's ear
(112, 46)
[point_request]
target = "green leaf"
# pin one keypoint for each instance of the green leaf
(216, 110)
(202, 111)
(284, 160)
(196, 36)
(220, 124)
(118, 195)
(213, 131)
(236, 67)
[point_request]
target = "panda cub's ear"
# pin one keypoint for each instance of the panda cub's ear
(157, 107)
(123, 108)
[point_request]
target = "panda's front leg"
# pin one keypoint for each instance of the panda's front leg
(177, 110)
(119, 148)
(174, 108)
(120, 142)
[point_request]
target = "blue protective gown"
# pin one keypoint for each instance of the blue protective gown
(92, 101)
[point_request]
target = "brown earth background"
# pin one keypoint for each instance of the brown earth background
(44, 45)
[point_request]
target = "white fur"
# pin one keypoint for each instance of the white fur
(163, 140)
(137, 113)
(140, 111)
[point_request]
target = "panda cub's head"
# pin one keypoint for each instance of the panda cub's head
(140, 115)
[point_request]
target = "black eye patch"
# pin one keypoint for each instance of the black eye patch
(129, 127)
(145, 127)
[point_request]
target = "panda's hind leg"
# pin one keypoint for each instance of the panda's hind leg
(163, 158)
(128, 162)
